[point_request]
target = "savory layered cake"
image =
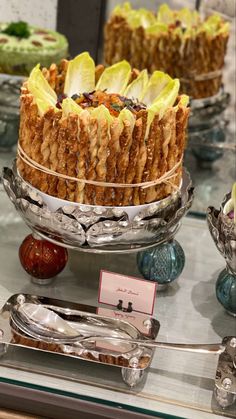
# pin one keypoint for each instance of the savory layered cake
(102, 136)
(22, 46)
(181, 43)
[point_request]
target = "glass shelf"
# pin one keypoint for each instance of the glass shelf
(177, 384)
(213, 181)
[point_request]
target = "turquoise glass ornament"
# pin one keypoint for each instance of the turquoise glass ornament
(162, 264)
(226, 291)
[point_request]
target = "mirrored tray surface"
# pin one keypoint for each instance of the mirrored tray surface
(87, 320)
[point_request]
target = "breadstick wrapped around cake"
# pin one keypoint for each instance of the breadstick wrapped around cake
(102, 136)
(181, 43)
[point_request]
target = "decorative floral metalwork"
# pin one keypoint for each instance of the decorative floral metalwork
(87, 227)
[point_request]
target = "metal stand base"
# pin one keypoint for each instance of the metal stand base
(39, 281)
(131, 376)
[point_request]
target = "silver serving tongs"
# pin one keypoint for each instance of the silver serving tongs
(41, 323)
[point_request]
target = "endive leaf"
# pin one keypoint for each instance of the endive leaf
(165, 100)
(165, 14)
(70, 106)
(101, 112)
(126, 115)
(157, 27)
(115, 78)
(212, 24)
(44, 95)
(185, 16)
(147, 18)
(137, 88)
(80, 75)
(224, 29)
(122, 9)
(157, 82)
(184, 100)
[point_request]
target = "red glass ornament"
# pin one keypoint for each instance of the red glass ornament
(42, 259)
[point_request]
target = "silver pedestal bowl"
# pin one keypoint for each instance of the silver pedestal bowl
(97, 229)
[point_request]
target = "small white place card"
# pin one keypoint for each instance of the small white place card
(128, 291)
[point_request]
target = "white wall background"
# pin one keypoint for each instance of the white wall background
(41, 13)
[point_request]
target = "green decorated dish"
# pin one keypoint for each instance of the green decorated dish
(22, 46)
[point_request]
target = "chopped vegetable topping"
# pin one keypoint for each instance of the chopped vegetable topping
(60, 100)
(18, 29)
(112, 101)
(114, 96)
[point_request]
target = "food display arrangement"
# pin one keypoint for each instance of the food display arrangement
(22, 46)
(181, 43)
(99, 169)
(102, 136)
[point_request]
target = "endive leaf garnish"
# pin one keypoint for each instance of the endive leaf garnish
(165, 100)
(80, 75)
(157, 82)
(136, 89)
(212, 24)
(44, 95)
(126, 115)
(223, 29)
(115, 78)
(231, 203)
(101, 112)
(147, 18)
(184, 100)
(122, 9)
(185, 16)
(165, 14)
(70, 106)
(157, 27)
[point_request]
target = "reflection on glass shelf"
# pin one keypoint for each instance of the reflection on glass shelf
(6, 158)
(212, 182)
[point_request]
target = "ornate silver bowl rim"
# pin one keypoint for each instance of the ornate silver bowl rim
(223, 232)
(99, 229)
